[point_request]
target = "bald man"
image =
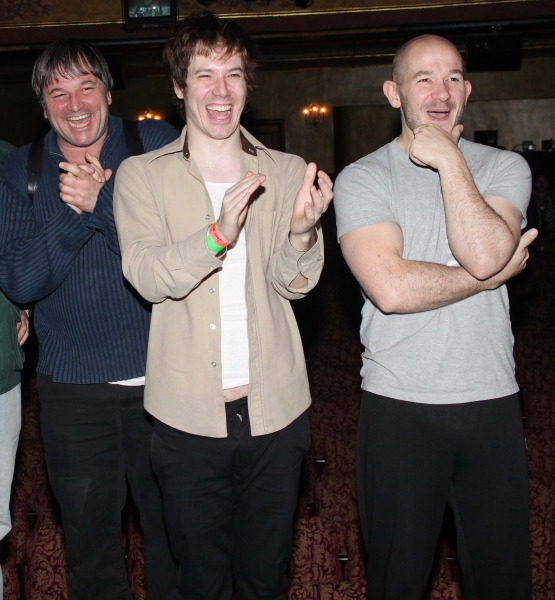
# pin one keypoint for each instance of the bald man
(430, 226)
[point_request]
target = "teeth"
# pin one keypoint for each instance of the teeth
(80, 118)
(220, 108)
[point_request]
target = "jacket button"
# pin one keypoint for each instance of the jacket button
(211, 290)
(206, 216)
(212, 326)
(213, 364)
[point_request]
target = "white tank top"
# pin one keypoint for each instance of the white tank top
(233, 306)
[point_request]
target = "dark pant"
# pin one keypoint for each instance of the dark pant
(229, 505)
(413, 459)
(95, 435)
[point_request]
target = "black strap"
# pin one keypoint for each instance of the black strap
(132, 137)
(34, 167)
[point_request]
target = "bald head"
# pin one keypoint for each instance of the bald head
(400, 59)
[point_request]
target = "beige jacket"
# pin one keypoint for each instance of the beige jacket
(162, 211)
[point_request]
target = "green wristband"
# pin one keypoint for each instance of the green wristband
(212, 246)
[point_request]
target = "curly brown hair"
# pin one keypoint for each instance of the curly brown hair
(202, 33)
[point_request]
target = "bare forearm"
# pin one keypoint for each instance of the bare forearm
(480, 239)
(413, 286)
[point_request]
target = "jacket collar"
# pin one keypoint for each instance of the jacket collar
(249, 144)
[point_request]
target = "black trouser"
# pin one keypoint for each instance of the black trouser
(229, 505)
(95, 435)
(414, 458)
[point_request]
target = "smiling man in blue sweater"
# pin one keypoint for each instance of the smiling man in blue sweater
(61, 251)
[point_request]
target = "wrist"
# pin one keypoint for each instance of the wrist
(214, 242)
(449, 158)
(303, 242)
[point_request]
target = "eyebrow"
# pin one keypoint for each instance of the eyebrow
(57, 89)
(210, 69)
(451, 72)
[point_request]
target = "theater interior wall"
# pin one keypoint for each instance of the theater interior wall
(520, 105)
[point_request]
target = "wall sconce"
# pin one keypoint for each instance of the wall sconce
(149, 114)
(314, 114)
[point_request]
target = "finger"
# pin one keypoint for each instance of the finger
(23, 335)
(317, 198)
(108, 174)
(309, 176)
(322, 175)
(93, 162)
(326, 187)
(238, 203)
(22, 332)
(92, 159)
(236, 192)
(72, 168)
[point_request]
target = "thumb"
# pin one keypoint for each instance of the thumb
(457, 132)
(528, 237)
(108, 174)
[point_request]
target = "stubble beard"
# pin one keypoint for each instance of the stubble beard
(412, 117)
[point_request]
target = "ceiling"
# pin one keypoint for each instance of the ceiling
(332, 39)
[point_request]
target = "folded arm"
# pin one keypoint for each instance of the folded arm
(483, 232)
(398, 285)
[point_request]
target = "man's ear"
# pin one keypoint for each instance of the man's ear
(468, 88)
(178, 91)
(391, 91)
(109, 98)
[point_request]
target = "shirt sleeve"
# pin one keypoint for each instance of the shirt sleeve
(288, 263)
(362, 196)
(154, 268)
(511, 180)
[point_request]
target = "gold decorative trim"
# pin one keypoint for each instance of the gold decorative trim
(58, 24)
(290, 13)
(367, 9)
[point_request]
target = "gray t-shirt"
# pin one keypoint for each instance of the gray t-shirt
(457, 353)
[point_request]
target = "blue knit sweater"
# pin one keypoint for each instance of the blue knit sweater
(91, 324)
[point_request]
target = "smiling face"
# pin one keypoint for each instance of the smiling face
(429, 86)
(77, 109)
(215, 95)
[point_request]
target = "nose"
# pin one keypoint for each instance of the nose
(221, 88)
(74, 102)
(441, 91)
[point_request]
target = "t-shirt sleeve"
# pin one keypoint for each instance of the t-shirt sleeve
(362, 196)
(512, 180)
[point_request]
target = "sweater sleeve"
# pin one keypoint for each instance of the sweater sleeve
(35, 260)
(154, 135)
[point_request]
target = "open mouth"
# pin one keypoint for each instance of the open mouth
(219, 112)
(79, 122)
(439, 115)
